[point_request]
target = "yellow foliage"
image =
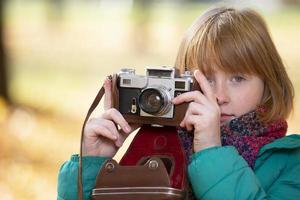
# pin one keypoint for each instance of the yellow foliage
(3, 109)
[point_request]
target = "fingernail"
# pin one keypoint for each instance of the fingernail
(196, 72)
(107, 81)
(127, 129)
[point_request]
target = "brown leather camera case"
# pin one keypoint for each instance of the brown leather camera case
(149, 181)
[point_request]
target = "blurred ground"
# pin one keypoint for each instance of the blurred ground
(57, 64)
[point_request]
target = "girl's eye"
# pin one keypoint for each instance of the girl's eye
(237, 79)
(210, 80)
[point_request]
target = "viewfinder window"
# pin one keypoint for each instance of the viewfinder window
(179, 85)
(126, 81)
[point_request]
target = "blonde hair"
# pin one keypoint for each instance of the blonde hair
(238, 41)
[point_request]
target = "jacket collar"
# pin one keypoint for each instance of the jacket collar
(287, 142)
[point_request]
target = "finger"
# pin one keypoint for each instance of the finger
(193, 109)
(195, 96)
(111, 126)
(185, 124)
(116, 116)
(191, 122)
(105, 132)
(108, 94)
(204, 84)
(113, 129)
(134, 126)
(123, 135)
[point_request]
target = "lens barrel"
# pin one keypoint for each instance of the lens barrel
(154, 101)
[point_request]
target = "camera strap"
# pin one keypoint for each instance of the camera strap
(91, 109)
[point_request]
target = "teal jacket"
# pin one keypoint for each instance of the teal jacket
(216, 173)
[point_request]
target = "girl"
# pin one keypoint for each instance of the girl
(238, 145)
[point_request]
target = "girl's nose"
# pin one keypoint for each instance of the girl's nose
(221, 94)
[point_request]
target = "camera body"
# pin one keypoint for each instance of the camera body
(147, 99)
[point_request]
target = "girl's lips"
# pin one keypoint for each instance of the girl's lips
(226, 117)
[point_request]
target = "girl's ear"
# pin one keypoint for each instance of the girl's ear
(266, 97)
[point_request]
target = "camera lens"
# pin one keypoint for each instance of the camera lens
(151, 101)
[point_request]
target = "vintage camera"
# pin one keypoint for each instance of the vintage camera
(147, 99)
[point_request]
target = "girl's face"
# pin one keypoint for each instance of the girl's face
(236, 94)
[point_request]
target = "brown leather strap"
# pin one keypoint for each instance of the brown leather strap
(92, 108)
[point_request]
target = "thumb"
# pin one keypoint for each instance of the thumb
(107, 97)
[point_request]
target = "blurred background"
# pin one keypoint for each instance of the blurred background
(55, 54)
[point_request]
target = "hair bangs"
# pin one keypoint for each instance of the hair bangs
(224, 48)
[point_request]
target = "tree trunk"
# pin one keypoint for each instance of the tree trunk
(3, 68)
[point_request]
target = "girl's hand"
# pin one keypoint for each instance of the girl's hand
(202, 115)
(102, 137)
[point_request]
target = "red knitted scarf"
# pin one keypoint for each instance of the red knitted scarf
(246, 133)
